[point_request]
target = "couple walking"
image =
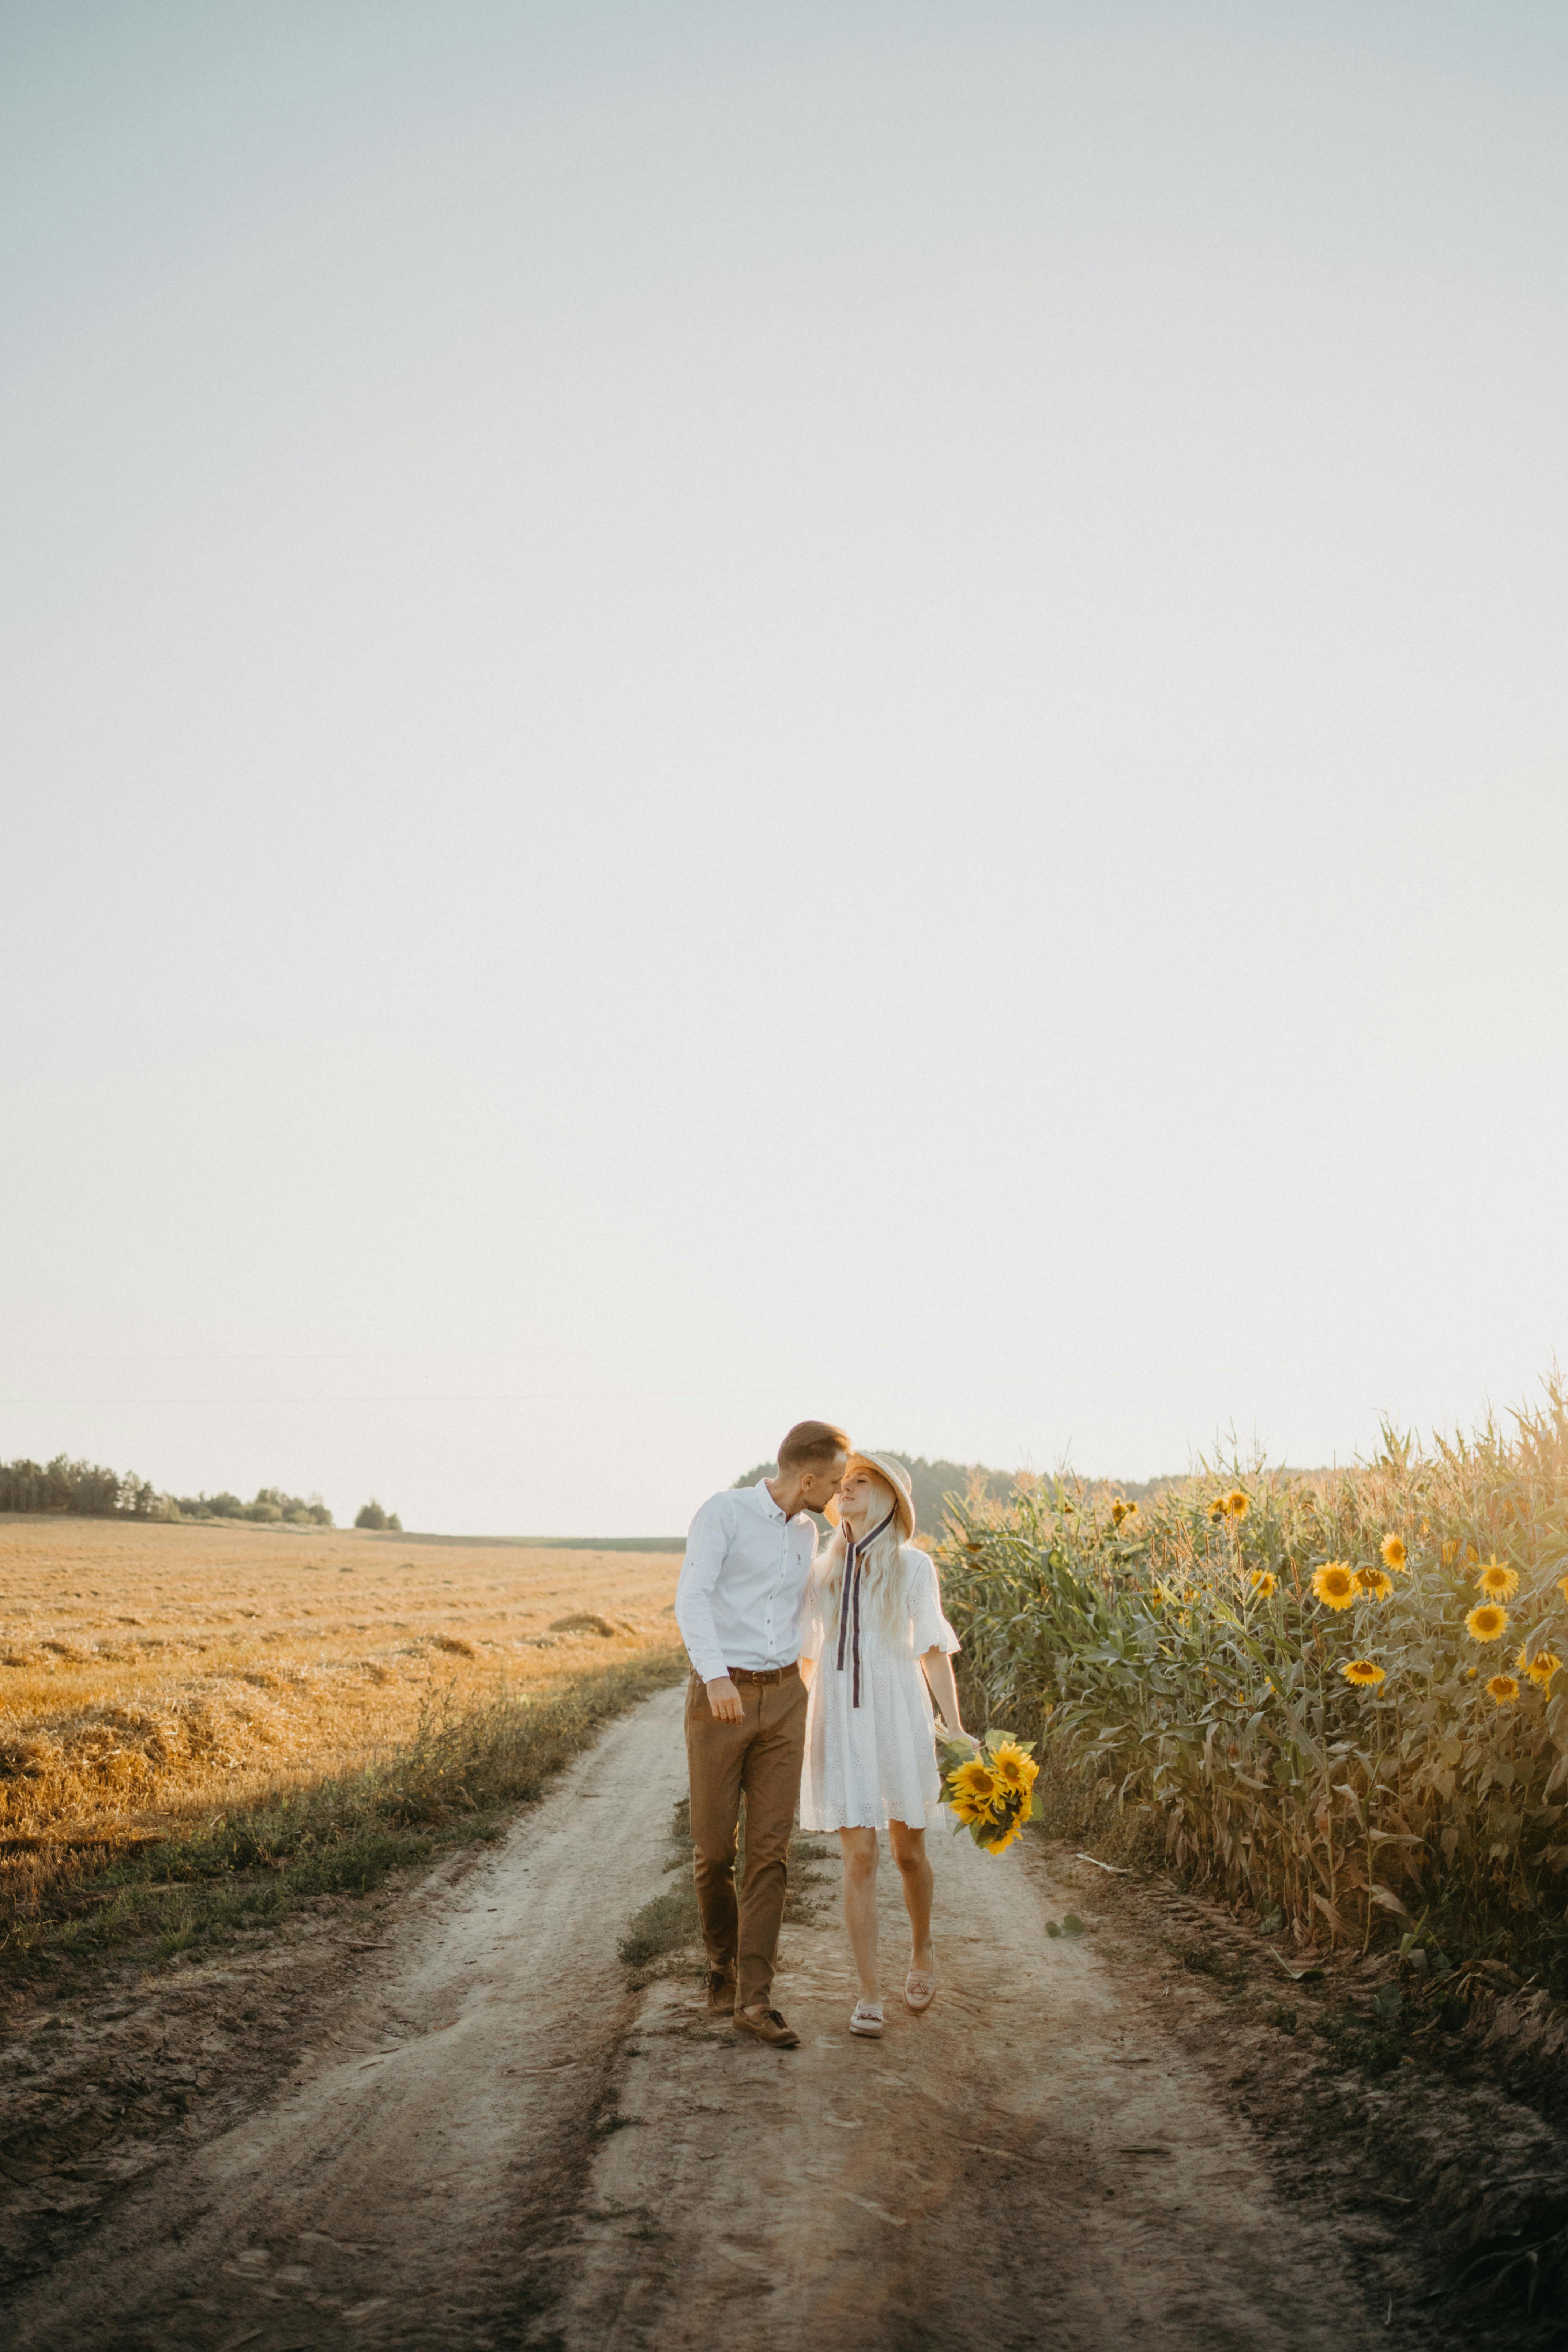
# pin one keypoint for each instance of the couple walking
(812, 1680)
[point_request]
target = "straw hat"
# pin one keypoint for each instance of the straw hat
(892, 1475)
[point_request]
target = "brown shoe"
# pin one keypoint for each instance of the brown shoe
(768, 2026)
(720, 1991)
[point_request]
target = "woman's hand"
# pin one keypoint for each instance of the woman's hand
(936, 1667)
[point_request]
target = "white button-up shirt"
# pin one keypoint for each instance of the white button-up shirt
(742, 1583)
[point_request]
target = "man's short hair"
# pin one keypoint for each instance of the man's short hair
(810, 1443)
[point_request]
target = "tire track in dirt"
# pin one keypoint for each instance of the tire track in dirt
(503, 2146)
(1032, 2162)
(395, 2191)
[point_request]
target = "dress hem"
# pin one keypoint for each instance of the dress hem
(827, 1829)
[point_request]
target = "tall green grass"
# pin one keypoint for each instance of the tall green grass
(1185, 1678)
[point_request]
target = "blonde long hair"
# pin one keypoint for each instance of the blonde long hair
(881, 1570)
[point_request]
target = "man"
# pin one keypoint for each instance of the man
(738, 1605)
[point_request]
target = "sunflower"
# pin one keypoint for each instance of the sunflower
(1119, 1510)
(1471, 1556)
(965, 1810)
(1394, 1552)
(1498, 1582)
(976, 1781)
(1562, 1586)
(1375, 1583)
(1333, 1584)
(1450, 1554)
(1265, 1583)
(1503, 1688)
(1542, 1667)
(1012, 1767)
(1238, 1504)
(1487, 1622)
(1216, 1508)
(1362, 1673)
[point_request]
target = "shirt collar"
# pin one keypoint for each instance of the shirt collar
(764, 1501)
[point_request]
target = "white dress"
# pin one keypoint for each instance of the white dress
(866, 1764)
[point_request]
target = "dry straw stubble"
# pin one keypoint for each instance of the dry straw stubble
(166, 1683)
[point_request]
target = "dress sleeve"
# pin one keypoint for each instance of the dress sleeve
(931, 1629)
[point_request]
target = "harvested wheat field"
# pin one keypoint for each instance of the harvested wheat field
(148, 1673)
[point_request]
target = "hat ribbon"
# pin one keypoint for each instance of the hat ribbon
(849, 1601)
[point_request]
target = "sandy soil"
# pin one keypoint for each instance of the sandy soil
(479, 2135)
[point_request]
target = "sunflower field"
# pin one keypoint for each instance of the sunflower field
(1341, 1697)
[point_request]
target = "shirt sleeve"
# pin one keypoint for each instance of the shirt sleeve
(931, 1629)
(706, 1543)
(812, 1621)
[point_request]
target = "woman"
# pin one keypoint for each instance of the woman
(875, 1638)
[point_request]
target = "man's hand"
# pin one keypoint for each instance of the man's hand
(725, 1700)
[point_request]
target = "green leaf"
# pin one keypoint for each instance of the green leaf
(1052, 1928)
(1072, 1924)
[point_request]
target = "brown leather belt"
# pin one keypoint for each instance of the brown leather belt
(774, 1674)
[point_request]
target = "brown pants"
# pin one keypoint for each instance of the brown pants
(761, 1756)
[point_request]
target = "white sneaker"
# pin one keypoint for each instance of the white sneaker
(868, 2019)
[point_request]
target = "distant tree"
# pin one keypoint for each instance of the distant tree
(86, 1490)
(272, 1505)
(371, 1514)
(139, 1499)
(930, 1483)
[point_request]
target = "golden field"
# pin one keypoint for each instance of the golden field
(150, 1673)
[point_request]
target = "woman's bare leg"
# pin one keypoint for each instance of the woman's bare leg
(859, 1848)
(914, 1867)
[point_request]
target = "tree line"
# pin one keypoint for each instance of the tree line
(933, 1482)
(930, 1482)
(86, 1490)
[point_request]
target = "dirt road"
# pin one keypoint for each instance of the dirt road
(491, 2141)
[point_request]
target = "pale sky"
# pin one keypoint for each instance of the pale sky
(718, 712)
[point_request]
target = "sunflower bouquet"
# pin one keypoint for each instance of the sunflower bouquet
(987, 1788)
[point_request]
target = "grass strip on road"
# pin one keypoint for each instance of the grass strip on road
(453, 1781)
(668, 1924)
